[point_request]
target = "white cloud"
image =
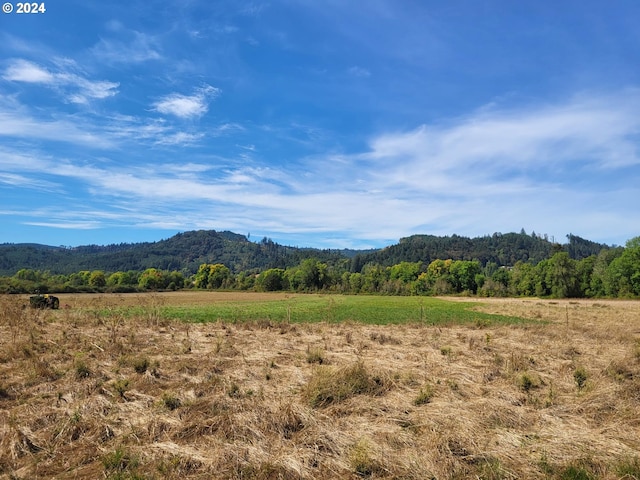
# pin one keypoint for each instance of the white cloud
(25, 71)
(76, 88)
(186, 106)
(130, 47)
(598, 132)
(67, 225)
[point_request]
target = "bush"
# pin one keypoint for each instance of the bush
(580, 376)
(629, 468)
(328, 385)
(425, 396)
(141, 364)
(121, 386)
(171, 401)
(363, 459)
(118, 462)
(82, 370)
(315, 355)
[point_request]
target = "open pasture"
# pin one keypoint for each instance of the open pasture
(267, 386)
(205, 307)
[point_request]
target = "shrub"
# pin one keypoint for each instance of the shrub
(171, 401)
(525, 382)
(328, 385)
(121, 386)
(425, 395)
(573, 472)
(580, 376)
(446, 350)
(82, 370)
(362, 459)
(119, 461)
(629, 468)
(315, 355)
(141, 364)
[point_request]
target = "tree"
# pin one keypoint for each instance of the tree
(151, 279)
(407, 272)
(438, 277)
(463, 275)
(118, 278)
(542, 279)
(212, 276)
(523, 279)
(561, 276)
(355, 282)
(584, 272)
(310, 275)
(272, 280)
(602, 282)
(218, 276)
(374, 276)
(97, 279)
(623, 273)
(79, 278)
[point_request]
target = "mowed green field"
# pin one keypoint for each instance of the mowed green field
(200, 307)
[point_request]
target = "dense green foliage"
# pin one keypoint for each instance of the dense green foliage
(503, 265)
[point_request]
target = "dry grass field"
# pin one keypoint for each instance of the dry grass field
(87, 395)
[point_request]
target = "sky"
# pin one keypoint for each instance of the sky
(330, 124)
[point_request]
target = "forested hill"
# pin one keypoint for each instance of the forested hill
(185, 252)
(501, 249)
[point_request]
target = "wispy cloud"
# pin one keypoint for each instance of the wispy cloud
(187, 106)
(180, 138)
(20, 124)
(24, 181)
(596, 132)
(76, 88)
(67, 225)
(130, 46)
(357, 71)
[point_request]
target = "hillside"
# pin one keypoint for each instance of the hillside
(186, 251)
(501, 249)
(182, 252)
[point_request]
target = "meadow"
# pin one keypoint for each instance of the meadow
(201, 307)
(268, 386)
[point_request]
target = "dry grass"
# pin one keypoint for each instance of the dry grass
(83, 396)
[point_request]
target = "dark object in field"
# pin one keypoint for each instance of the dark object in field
(44, 301)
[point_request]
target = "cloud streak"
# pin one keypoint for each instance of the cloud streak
(76, 88)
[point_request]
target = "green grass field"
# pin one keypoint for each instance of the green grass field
(378, 310)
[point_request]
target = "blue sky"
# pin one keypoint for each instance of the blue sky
(319, 123)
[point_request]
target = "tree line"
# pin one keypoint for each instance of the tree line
(612, 272)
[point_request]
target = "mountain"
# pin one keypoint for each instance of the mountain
(186, 251)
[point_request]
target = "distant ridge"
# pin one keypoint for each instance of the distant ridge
(186, 251)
